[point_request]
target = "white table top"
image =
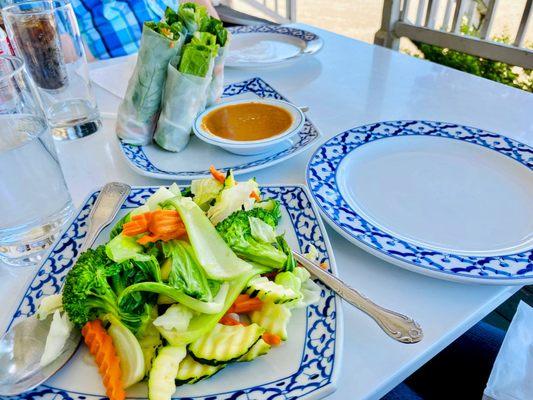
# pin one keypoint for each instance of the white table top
(348, 83)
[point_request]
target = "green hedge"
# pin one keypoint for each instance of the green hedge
(493, 70)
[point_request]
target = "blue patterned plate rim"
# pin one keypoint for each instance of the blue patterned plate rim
(509, 269)
(137, 159)
(302, 34)
(315, 377)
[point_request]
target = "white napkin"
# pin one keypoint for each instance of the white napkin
(512, 375)
(114, 78)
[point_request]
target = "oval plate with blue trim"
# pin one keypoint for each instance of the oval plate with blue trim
(154, 162)
(441, 199)
(305, 366)
(263, 46)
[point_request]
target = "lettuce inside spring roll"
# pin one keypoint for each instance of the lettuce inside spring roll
(138, 112)
(197, 55)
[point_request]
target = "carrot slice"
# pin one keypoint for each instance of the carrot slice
(248, 306)
(271, 339)
(148, 239)
(101, 347)
(228, 320)
(324, 266)
(255, 195)
(219, 176)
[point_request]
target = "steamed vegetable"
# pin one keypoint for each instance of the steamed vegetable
(237, 233)
(213, 254)
(88, 295)
(49, 305)
(165, 367)
(101, 347)
(58, 334)
(233, 198)
(189, 282)
(205, 190)
(177, 317)
(129, 353)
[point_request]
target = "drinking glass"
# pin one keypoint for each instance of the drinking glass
(46, 36)
(34, 200)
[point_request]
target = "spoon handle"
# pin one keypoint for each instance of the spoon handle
(398, 326)
(104, 210)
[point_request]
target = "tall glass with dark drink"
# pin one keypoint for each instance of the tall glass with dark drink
(46, 36)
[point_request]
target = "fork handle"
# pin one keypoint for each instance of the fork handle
(398, 326)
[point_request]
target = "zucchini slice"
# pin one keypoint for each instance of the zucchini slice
(274, 318)
(268, 291)
(260, 348)
(225, 343)
(191, 371)
(161, 385)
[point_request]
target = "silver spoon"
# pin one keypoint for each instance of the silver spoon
(22, 345)
(398, 326)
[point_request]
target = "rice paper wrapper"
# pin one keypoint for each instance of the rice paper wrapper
(184, 98)
(216, 87)
(138, 112)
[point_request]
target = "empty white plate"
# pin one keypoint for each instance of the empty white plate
(441, 199)
(259, 46)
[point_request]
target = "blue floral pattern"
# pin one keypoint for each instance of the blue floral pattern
(318, 365)
(306, 36)
(321, 179)
(136, 156)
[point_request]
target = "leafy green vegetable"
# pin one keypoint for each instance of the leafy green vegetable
(299, 281)
(261, 230)
(233, 198)
(186, 273)
(195, 60)
(203, 323)
(284, 246)
(205, 190)
(122, 248)
(213, 254)
(117, 229)
(211, 307)
(191, 15)
(205, 39)
(88, 295)
(237, 233)
(170, 31)
(216, 27)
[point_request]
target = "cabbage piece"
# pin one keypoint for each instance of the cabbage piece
(214, 255)
(49, 304)
(122, 248)
(233, 198)
(205, 190)
(262, 231)
(185, 272)
(176, 317)
(58, 334)
(162, 194)
(203, 323)
(175, 189)
(299, 280)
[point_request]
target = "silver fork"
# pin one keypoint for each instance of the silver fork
(398, 326)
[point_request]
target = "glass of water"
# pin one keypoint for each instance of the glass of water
(34, 200)
(45, 34)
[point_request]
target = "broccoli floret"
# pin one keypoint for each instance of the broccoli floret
(88, 294)
(236, 232)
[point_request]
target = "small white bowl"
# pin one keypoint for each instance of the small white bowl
(251, 147)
